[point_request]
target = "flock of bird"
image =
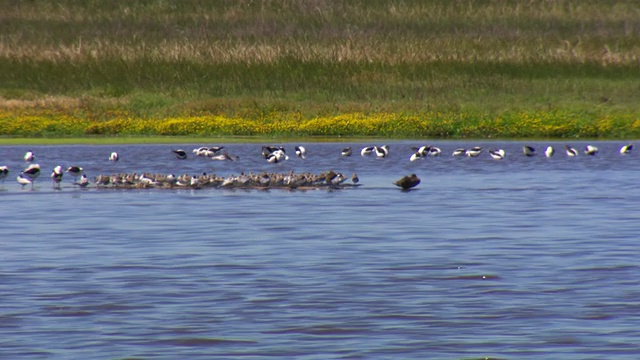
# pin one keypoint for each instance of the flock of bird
(271, 154)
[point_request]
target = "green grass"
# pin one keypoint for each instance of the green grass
(251, 59)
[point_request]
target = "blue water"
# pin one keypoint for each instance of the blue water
(520, 258)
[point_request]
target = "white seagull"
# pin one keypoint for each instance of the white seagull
(367, 150)
(114, 156)
(180, 154)
(301, 151)
(626, 149)
(528, 150)
(74, 171)
(381, 151)
(549, 151)
(32, 171)
(571, 151)
(56, 176)
(459, 152)
(24, 180)
(497, 154)
(4, 171)
(29, 156)
(590, 150)
(474, 151)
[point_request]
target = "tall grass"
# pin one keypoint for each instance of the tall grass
(313, 58)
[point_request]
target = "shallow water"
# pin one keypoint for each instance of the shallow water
(523, 258)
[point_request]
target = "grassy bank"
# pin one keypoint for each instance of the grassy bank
(320, 68)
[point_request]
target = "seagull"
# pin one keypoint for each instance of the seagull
(180, 154)
(407, 182)
(626, 149)
(56, 176)
(277, 156)
(114, 156)
(549, 151)
(83, 182)
(301, 151)
(74, 171)
(497, 154)
(571, 151)
(528, 150)
(4, 171)
(367, 150)
(32, 171)
(223, 157)
(459, 152)
(590, 150)
(347, 151)
(24, 180)
(29, 156)
(433, 151)
(474, 151)
(381, 151)
(416, 156)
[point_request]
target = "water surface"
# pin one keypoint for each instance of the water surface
(523, 258)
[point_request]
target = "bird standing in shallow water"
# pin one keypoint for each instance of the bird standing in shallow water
(407, 182)
(24, 180)
(29, 156)
(32, 171)
(4, 171)
(56, 176)
(74, 171)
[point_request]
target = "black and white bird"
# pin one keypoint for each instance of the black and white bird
(301, 151)
(474, 151)
(528, 150)
(29, 156)
(277, 156)
(626, 149)
(180, 154)
(417, 155)
(56, 176)
(24, 180)
(114, 156)
(75, 171)
(367, 150)
(433, 151)
(32, 171)
(224, 157)
(459, 152)
(407, 182)
(4, 172)
(346, 151)
(590, 150)
(381, 151)
(83, 182)
(549, 151)
(497, 154)
(571, 151)
(354, 178)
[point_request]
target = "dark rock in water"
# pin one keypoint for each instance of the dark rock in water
(408, 182)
